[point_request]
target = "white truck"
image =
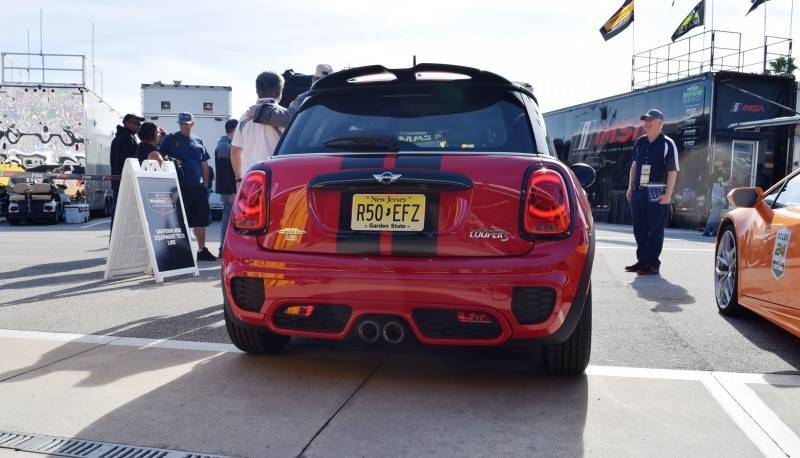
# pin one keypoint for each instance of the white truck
(53, 119)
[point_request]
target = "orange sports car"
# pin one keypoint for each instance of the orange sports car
(757, 262)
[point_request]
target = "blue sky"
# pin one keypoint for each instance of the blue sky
(553, 45)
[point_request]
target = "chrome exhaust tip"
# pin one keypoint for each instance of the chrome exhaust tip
(369, 331)
(394, 332)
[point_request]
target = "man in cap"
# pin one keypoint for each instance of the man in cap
(188, 149)
(226, 178)
(650, 185)
(322, 71)
(123, 146)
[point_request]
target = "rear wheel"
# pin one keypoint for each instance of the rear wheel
(12, 222)
(259, 342)
(572, 355)
(726, 273)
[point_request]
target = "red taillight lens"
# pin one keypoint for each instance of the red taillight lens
(547, 209)
(251, 206)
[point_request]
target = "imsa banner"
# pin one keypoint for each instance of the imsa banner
(695, 18)
(618, 22)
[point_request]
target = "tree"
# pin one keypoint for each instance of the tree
(781, 66)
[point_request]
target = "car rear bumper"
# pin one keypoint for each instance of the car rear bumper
(535, 298)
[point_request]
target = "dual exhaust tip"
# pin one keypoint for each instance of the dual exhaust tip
(392, 332)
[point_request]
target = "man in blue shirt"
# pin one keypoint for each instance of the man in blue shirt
(652, 180)
(193, 157)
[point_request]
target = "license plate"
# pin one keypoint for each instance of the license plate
(388, 212)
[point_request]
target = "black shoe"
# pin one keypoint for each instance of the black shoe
(647, 270)
(706, 234)
(205, 255)
(634, 267)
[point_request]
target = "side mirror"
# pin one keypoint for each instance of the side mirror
(745, 197)
(751, 198)
(585, 174)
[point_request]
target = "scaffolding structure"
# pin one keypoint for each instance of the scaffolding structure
(713, 50)
(64, 69)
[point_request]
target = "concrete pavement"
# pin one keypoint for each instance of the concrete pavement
(210, 399)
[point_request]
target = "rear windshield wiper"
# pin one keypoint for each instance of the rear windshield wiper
(361, 143)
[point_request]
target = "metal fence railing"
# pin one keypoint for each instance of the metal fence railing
(708, 51)
(67, 69)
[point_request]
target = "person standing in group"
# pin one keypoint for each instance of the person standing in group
(253, 143)
(652, 180)
(123, 147)
(321, 71)
(226, 179)
(265, 114)
(148, 147)
(193, 157)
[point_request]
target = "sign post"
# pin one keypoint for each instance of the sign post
(150, 232)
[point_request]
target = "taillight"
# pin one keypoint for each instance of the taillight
(250, 210)
(547, 209)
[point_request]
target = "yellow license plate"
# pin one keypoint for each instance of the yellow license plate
(388, 212)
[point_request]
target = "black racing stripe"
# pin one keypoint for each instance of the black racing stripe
(426, 243)
(348, 242)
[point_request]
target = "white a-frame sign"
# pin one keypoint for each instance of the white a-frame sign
(150, 231)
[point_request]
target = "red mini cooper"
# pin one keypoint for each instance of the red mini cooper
(422, 203)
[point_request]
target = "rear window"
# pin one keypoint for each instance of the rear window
(441, 118)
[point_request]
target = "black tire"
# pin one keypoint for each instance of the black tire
(250, 340)
(13, 222)
(107, 208)
(571, 357)
(726, 273)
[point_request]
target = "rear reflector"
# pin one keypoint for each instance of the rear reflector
(473, 317)
(299, 310)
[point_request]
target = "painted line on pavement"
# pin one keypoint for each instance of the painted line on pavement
(760, 434)
(120, 341)
(745, 408)
(100, 223)
(761, 414)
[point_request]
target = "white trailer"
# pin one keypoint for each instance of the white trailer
(210, 105)
(53, 118)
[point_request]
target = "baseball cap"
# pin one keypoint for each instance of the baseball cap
(322, 70)
(185, 118)
(231, 124)
(132, 117)
(653, 113)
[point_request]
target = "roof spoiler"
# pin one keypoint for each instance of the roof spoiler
(405, 75)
